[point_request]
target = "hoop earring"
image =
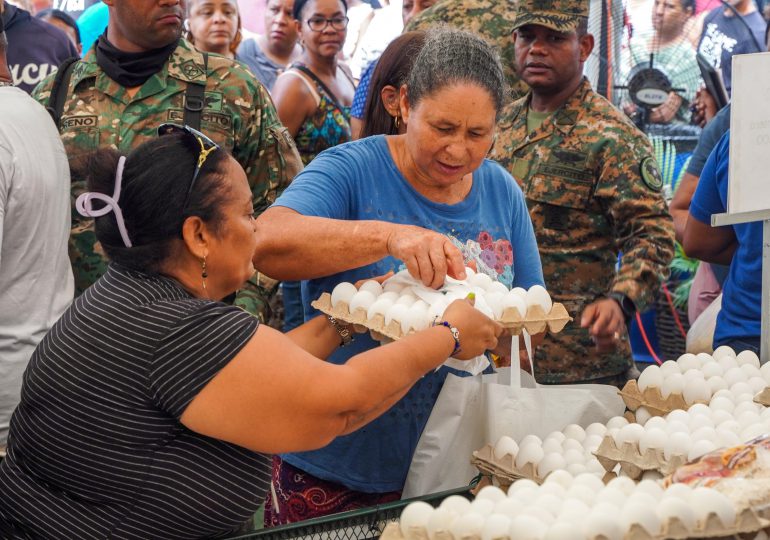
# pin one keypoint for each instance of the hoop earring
(397, 121)
(204, 273)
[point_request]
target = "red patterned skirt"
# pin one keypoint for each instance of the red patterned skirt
(296, 496)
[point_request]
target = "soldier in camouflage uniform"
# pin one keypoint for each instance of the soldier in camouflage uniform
(491, 19)
(238, 114)
(593, 190)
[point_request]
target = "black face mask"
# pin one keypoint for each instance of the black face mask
(130, 69)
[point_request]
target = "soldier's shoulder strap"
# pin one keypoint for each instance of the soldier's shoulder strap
(194, 100)
(58, 96)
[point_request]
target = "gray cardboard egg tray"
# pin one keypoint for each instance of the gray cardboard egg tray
(504, 469)
(747, 525)
(633, 462)
(535, 322)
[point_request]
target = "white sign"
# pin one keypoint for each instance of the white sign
(749, 173)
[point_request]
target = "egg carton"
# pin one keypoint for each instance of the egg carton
(747, 525)
(504, 469)
(634, 463)
(535, 322)
(763, 398)
(652, 400)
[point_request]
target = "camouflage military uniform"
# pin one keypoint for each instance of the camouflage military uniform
(238, 114)
(491, 19)
(593, 190)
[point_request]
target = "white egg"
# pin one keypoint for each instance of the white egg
(734, 375)
(724, 393)
(669, 367)
(677, 427)
(479, 280)
(525, 527)
(575, 469)
(706, 501)
(750, 370)
(706, 433)
(509, 507)
(757, 384)
(514, 301)
(379, 307)
(598, 524)
(496, 288)
(744, 396)
(654, 438)
(504, 446)
(765, 371)
(752, 431)
(416, 319)
(723, 352)
(392, 286)
(765, 415)
(481, 305)
(550, 503)
(730, 425)
(596, 429)
(728, 363)
(396, 312)
(727, 438)
(530, 439)
(560, 478)
(712, 369)
(677, 444)
(704, 358)
(552, 445)
(674, 507)
(440, 521)
(651, 377)
(469, 272)
(525, 484)
(699, 409)
(415, 516)
(436, 309)
(483, 507)
(574, 431)
(678, 415)
(700, 448)
(538, 296)
(693, 374)
(641, 515)
(630, 433)
(721, 416)
(698, 421)
(362, 300)
(651, 488)
(678, 491)
(642, 415)
(495, 302)
(746, 406)
(747, 357)
(721, 403)
(529, 454)
(622, 484)
(581, 493)
(616, 422)
(594, 467)
(589, 481)
(371, 286)
(551, 462)
(553, 487)
(556, 435)
(612, 496)
(456, 504)
(716, 384)
(491, 493)
(406, 299)
(696, 391)
(561, 530)
(672, 384)
(496, 526)
(655, 422)
(592, 442)
(469, 524)
(343, 292)
(688, 361)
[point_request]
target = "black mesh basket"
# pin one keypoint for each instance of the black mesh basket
(670, 339)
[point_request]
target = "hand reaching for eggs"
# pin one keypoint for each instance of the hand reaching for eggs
(605, 322)
(428, 255)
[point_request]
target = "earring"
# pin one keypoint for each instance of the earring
(397, 121)
(204, 273)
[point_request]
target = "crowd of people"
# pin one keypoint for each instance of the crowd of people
(175, 191)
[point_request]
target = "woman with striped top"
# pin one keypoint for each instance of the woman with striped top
(147, 411)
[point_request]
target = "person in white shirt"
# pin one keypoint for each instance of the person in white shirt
(36, 283)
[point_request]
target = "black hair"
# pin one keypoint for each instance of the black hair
(392, 69)
(582, 26)
(63, 17)
(452, 56)
(156, 178)
(299, 5)
(688, 4)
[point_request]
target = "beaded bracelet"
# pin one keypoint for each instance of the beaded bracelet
(455, 333)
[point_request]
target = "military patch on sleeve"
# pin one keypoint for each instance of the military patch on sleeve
(650, 174)
(191, 69)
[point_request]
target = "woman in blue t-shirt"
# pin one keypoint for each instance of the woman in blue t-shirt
(427, 200)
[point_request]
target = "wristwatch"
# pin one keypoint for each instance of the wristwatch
(626, 304)
(342, 329)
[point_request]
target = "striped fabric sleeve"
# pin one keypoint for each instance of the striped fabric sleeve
(194, 351)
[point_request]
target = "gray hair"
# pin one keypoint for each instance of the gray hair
(453, 56)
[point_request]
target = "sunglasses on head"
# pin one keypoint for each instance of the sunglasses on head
(206, 147)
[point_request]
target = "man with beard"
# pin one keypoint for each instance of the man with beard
(140, 74)
(593, 191)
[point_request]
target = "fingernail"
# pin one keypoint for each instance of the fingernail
(471, 296)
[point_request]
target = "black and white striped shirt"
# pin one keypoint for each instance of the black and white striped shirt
(96, 449)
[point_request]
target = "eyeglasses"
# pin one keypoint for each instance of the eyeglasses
(206, 144)
(319, 24)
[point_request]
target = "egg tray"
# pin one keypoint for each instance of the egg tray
(632, 462)
(535, 322)
(747, 525)
(652, 400)
(763, 398)
(503, 470)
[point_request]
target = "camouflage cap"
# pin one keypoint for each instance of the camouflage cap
(559, 15)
